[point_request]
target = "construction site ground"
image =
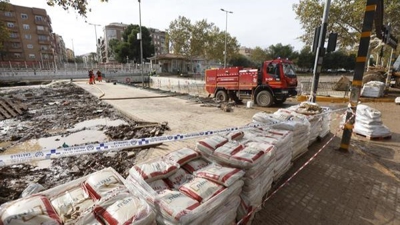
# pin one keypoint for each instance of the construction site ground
(357, 187)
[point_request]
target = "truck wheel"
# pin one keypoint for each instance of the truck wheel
(280, 101)
(222, 96)
(264, 99)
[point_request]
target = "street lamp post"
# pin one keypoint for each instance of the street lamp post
(97, 46)
(141, 43)
(226, 32)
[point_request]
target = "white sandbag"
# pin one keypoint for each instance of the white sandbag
(201, 189)
(373, 89)
(228, 149)
(265, 118)
(155, 170)
(208, 145)
(159, 185)
(183, 155)
(195, 165)
(102, 182)
(179, 178)
(235, 135)
(220, 174)
(175, 204)
(124, 209)
(71, 203)
(35, 209)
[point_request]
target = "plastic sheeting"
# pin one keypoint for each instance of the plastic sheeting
(374, 89)
(369, 122)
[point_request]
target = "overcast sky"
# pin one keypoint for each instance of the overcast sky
(253, 22)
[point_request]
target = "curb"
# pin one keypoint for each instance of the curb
(344, 100)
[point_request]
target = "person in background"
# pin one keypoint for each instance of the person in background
(99, 76)
(91, 77)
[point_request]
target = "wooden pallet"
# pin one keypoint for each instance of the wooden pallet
(375, 138)
(10, 109)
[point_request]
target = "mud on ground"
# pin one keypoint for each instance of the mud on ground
(52, 109)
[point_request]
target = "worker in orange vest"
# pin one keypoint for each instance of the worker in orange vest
(99, 76)
(91, 77)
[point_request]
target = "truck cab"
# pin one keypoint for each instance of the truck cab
(273, 82)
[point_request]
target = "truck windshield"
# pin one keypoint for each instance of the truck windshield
(289, 70)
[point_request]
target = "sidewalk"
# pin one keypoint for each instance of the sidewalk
(359, 187)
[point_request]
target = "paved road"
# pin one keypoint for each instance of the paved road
(359, 187)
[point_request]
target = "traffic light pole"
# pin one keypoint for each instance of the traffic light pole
(320, 52)
(361, 59)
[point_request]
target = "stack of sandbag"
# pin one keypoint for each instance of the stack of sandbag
(369, 122)
(374, 89)
(299, 125)
(99, 198)
(254, 151)
(185, 188)
(326, 117)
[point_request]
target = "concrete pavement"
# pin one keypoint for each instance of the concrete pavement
(335, 188)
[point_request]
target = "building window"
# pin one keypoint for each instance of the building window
(29, 46)
(15, 45)
(9, 24)
(40, 27)
(28, 36)
(31, 56)
(17, 55)
(26, 26)
(38, 18)
(43, 37)
(43, 47)
(8, 14)
(13, 35)
(24, 16)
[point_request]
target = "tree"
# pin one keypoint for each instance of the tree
(130, 45)
(201, 39)
(283, 51)
(241, 60)
(258, 55)
(345, 18)
(306, 58)
(81, 6)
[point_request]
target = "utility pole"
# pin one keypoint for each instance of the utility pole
(97, 46)
(361, 59)
(320, 52)
(226, 33)
(141, 44)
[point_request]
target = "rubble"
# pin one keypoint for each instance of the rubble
(53, 110)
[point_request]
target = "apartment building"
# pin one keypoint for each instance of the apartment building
(158, 41)
(245, 51)
(60, 51)
(115, 31)
(31, 38)
(111, 31)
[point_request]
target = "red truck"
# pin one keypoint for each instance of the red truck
(274, 82)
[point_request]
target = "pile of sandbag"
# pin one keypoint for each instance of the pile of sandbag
(374, 89)
(99, 198)
(369, 122)
(264, 155)
(299, 125)
(185, 188)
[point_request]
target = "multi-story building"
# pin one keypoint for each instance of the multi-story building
(70, 55)
(60, 50)
(31, 38)
(111, 31)
(245, 51)
(158, 41)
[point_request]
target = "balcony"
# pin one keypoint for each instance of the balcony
(44, 42)
(42, 32)
(14, 28)
(15, 50)
(40, 22)
(3, 17)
